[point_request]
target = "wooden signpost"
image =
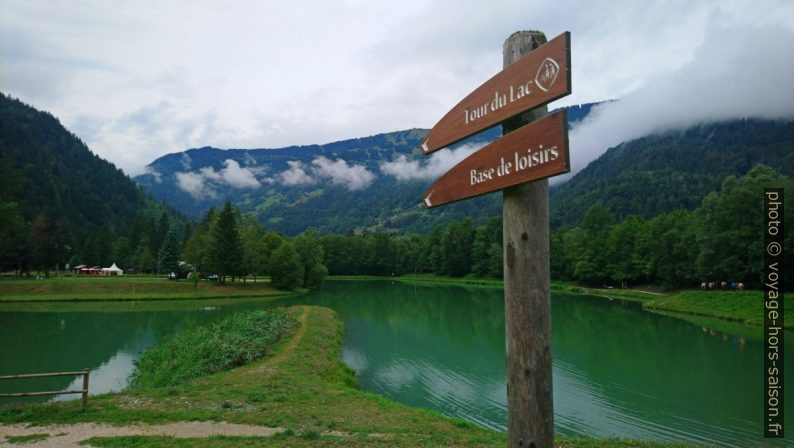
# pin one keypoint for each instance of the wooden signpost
(535, 151)
(538, 78)
(519, 164)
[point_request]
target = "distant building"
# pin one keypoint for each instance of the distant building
(88, 270)
(113, 270)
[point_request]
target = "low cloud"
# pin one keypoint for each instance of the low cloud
(339, 172)
(354, 177)
(297, 174)
(735, 73)
(200, 183)
(238, 177)
(193, 184)
(436, 165)
(158, 177)
(186, 162)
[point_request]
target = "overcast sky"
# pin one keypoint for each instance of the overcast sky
(136, 80)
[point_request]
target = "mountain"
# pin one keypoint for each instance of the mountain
(660, 173)
(55, 194)
(334, 187)
(354, 184)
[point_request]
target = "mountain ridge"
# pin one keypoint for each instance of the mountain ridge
(633, 177)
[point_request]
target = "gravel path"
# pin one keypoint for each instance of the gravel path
(70, 435)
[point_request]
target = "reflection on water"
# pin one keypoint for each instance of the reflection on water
(618, 371)
(107, 343)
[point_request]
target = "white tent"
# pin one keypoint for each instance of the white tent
(113, 270)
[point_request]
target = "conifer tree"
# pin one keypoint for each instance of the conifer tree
(226, 250)
(168, 256)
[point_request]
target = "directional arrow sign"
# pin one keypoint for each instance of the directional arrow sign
(534, 151)
(542, 76)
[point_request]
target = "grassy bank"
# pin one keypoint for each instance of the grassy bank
(706, 308)
(426, 278)
(742, 307)
(126, 288)
(302, 389)
(621, 294)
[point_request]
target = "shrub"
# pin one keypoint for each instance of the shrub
(234, 341)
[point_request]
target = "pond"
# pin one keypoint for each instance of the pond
(618, 371)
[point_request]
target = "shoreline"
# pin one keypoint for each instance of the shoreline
(301, 391)
(130, 288)
(730, 307)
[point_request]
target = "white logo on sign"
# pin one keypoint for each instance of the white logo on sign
(547, 74)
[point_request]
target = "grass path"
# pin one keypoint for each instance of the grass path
(271, 364)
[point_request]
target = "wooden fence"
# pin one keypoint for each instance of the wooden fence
(83, 391)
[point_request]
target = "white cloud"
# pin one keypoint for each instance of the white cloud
(434, 166)
(239, 177)
(339, 172)
(158, 177)
(296, 174)
(164, 79)
(353, 177)
(193, 184)
(186, 162)
(735, 73)
(199, 183)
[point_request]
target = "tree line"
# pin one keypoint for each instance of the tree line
(722, 240)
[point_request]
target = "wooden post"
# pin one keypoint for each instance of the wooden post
(530, 412)
(85, 388)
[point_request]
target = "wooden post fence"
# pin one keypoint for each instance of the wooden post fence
(84, 390)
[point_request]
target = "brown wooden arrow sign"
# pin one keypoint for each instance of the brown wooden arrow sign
(542, 76)
(534, 151)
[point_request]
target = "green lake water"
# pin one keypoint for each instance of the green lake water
(618, 371)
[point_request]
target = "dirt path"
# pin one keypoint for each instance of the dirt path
(270, 365)
(71, 435)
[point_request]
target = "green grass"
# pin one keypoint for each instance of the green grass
(428, 278)
(744, 307)
(703, 308)
(465, 280)
(27, 439)
(631, 295)
(569, 288)
(303, 387)
(232, 342)
(83, 288)
(125, 306)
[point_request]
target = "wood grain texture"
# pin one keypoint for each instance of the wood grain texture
(530, 411)
(530, 81)
(506, 162)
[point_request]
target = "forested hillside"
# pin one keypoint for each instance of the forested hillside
(720, 240)
(661, 173)
(59, 201)
(334, 187)
(375, 183)
(372, 183)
